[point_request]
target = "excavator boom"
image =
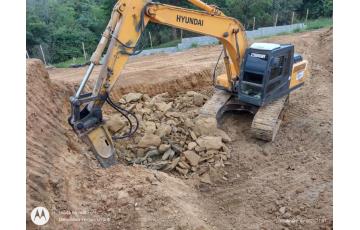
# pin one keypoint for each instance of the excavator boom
(128, 21)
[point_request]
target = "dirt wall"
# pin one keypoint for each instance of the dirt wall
(63, 176)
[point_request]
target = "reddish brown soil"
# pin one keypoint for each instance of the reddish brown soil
(294, 173)
(63, 176)
(154, 74)
(285, 184)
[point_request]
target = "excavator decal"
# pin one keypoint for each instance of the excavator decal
(188, 20)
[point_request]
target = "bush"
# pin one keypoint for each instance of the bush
(194, 45)
(319, 23)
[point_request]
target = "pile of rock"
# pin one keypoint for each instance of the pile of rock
(172, 136)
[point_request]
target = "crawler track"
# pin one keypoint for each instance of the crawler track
(214, 104)
(268, 119)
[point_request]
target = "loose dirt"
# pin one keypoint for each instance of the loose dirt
(286, 184)
(154, 74)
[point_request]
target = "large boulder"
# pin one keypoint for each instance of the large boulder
(115, 123)
(149, 126)
(132, 97)
(163, 148)
(210, 142)
(192, 157)
(169, 154)
(198, 98)
(163, 130)
(159, 98)
(163, 106)
(207, 126)
(191, 145)
(149, 140)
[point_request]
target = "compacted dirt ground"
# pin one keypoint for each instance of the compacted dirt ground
(286, 184)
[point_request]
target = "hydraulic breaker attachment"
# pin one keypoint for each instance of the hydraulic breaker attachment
(86, 120)
(102, 145)
(90, 127)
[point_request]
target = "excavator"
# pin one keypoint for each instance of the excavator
(257, 79)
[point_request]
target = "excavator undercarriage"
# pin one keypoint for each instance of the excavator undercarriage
(266, 121)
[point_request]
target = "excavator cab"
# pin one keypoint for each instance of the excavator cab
(269, 73)
(266, 73)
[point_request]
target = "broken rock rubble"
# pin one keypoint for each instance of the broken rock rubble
(172, 136)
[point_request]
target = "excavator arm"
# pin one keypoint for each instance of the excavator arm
(122, 34)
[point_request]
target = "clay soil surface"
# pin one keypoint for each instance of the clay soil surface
(286, 184)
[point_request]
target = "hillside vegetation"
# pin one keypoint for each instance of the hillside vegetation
(61, 26)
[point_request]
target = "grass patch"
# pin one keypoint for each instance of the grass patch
(319, 23)
(81, 60)
(297, 30)
(310, 25)
(167, 44)
(194, 45)
(70, 62)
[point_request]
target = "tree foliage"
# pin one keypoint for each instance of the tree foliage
(60, 26)
(318, 8)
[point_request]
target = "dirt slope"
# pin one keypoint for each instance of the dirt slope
(154, 74)
(284, 184)
(63, 176)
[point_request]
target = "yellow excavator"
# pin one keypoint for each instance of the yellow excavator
(258, 78)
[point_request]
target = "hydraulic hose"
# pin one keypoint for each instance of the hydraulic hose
(126, 114)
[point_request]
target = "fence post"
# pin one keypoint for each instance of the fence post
(150, 39)
(307, 14)
(83, 46)
(276, 18)
(254, 24)
(292, 18)
(43, 55)
(27, 55)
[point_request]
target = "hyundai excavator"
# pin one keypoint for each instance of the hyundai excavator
(258, 78)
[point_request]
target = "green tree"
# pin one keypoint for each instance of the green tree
(246, 10)
(318, 8)
(60, 26)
